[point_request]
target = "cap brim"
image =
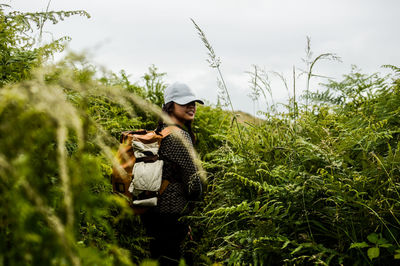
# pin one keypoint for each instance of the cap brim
(186, 100)
(199, 101)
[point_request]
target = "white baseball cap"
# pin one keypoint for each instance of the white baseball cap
(180, 93)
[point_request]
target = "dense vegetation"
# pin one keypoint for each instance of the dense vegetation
(317, 184)
(322, 188)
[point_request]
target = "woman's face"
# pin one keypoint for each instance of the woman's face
(184, 113)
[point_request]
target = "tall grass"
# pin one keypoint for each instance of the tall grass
(321, 191)
(215, 62)
(312, 188)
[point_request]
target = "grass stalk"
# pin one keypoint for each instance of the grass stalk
(215, 62)
(294, 93)
(382, 221)
(310, 63)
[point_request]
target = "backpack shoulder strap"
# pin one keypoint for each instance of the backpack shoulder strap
(168, 130)
(164, 185)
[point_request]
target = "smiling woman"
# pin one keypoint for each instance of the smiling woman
(162, 223)
(184, 103)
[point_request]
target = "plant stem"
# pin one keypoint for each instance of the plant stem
(294, 93)
(231, 105)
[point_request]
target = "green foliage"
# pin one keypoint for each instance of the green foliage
(154, 86)
(211, 126)
(376, 243)
(58, 134)
(54, 191)
(310, 191)
(56, 152)
(19, 51)
(355, 88)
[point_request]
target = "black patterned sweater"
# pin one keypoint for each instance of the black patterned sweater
(181, 171)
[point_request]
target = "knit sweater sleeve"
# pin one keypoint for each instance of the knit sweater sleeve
(180, 152)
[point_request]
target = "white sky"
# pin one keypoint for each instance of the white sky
(134, 34)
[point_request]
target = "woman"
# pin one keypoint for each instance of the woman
(162, 223)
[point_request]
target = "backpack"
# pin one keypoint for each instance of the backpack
(138, 174)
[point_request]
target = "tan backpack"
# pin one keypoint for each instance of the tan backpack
(138, 176)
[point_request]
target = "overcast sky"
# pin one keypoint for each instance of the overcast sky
(134, 34)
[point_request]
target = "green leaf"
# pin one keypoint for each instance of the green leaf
(359, 245)
(397, 255)
(297, 249)
(382, 241)
(386, 245)
(285, 244)
(373, 238)
(373, 253)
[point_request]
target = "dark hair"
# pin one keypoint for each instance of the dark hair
(168, 108)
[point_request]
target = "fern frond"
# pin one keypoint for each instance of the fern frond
(223, 211)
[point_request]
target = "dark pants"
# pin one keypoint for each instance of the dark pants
(167, 235)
